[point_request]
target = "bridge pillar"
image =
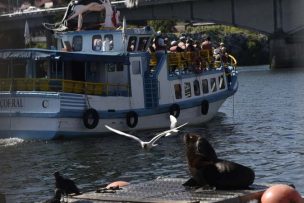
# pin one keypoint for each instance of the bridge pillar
(287, 51)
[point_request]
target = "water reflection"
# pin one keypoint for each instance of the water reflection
(261, 127)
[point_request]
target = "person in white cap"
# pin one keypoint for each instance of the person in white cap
(182, 43)
(160, 46)
(174, 47)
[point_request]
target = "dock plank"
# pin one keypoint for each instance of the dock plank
(167, 190)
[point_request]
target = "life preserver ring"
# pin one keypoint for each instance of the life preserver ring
(132, 119)
(174, 110)
(204, 107)
(90, 118)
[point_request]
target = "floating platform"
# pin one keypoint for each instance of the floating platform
(169, 190)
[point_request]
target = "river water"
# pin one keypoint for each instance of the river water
(262, 127)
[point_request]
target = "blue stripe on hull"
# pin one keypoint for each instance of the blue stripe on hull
(71, 131)
(78, 113)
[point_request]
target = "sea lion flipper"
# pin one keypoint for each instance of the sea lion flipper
(191, 183)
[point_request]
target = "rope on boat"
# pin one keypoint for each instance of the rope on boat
(87, 101)
(233, 106)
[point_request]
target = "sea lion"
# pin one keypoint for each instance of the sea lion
(65, 185)
(208, 170)
(56, 198)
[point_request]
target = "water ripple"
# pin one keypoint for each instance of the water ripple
(261, 127)
(10, 141)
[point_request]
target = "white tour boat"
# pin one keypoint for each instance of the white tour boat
(106, 77)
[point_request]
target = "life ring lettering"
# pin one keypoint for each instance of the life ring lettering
(90, 118)
(174, 110)
(204, 107)
(132, 119)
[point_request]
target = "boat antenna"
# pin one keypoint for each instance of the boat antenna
(87, 101)
(124, 24)
(233, 106)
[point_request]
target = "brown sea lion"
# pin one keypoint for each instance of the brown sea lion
(207, 170)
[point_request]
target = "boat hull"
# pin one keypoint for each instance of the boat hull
(26, 127)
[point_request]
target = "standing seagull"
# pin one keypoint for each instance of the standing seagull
(65, 185)
(151, 143)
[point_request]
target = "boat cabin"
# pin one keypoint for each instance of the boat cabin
(100, 41)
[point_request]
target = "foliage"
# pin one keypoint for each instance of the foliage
(165, 26)
(41, 45)
(250, 48)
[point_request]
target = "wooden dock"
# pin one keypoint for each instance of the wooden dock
(169, 190)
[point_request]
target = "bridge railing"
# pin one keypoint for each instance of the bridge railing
(61, 85)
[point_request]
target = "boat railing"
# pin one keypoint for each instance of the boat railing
(193, 62)
(62, 85)
(182, 59)
(232, 61)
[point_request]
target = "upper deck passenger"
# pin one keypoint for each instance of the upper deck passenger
(207, 45)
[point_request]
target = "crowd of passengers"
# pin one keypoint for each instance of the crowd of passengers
(217, 54)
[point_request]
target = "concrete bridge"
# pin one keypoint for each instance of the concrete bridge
(281, 20)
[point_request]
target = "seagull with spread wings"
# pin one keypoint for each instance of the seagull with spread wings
(151, 143)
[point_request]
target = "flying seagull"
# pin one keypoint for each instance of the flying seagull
(151, 143)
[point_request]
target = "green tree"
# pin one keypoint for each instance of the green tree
(165, 26)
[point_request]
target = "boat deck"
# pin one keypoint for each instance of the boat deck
(167, 190)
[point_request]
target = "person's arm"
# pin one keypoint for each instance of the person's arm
(79, 25)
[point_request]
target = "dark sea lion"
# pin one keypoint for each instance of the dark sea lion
(65, 185)
(207, 170)
(56, 198)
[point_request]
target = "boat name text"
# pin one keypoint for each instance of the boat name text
(11, 103)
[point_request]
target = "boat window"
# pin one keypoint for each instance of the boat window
(132, 43)
(77, 43)
(92, 72)
(178, 91)
(96, 43)
(119, 67)
(19, 68)
(196, 88)
(136, 67)
(67, 46)
(74, 70)
(143, 43)
(213, 84)
(187, 87)
(110, 67)
(221, 82)
(57, 69)
(205, 86)
(4, 69)
(42, 69)
(108, 43)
